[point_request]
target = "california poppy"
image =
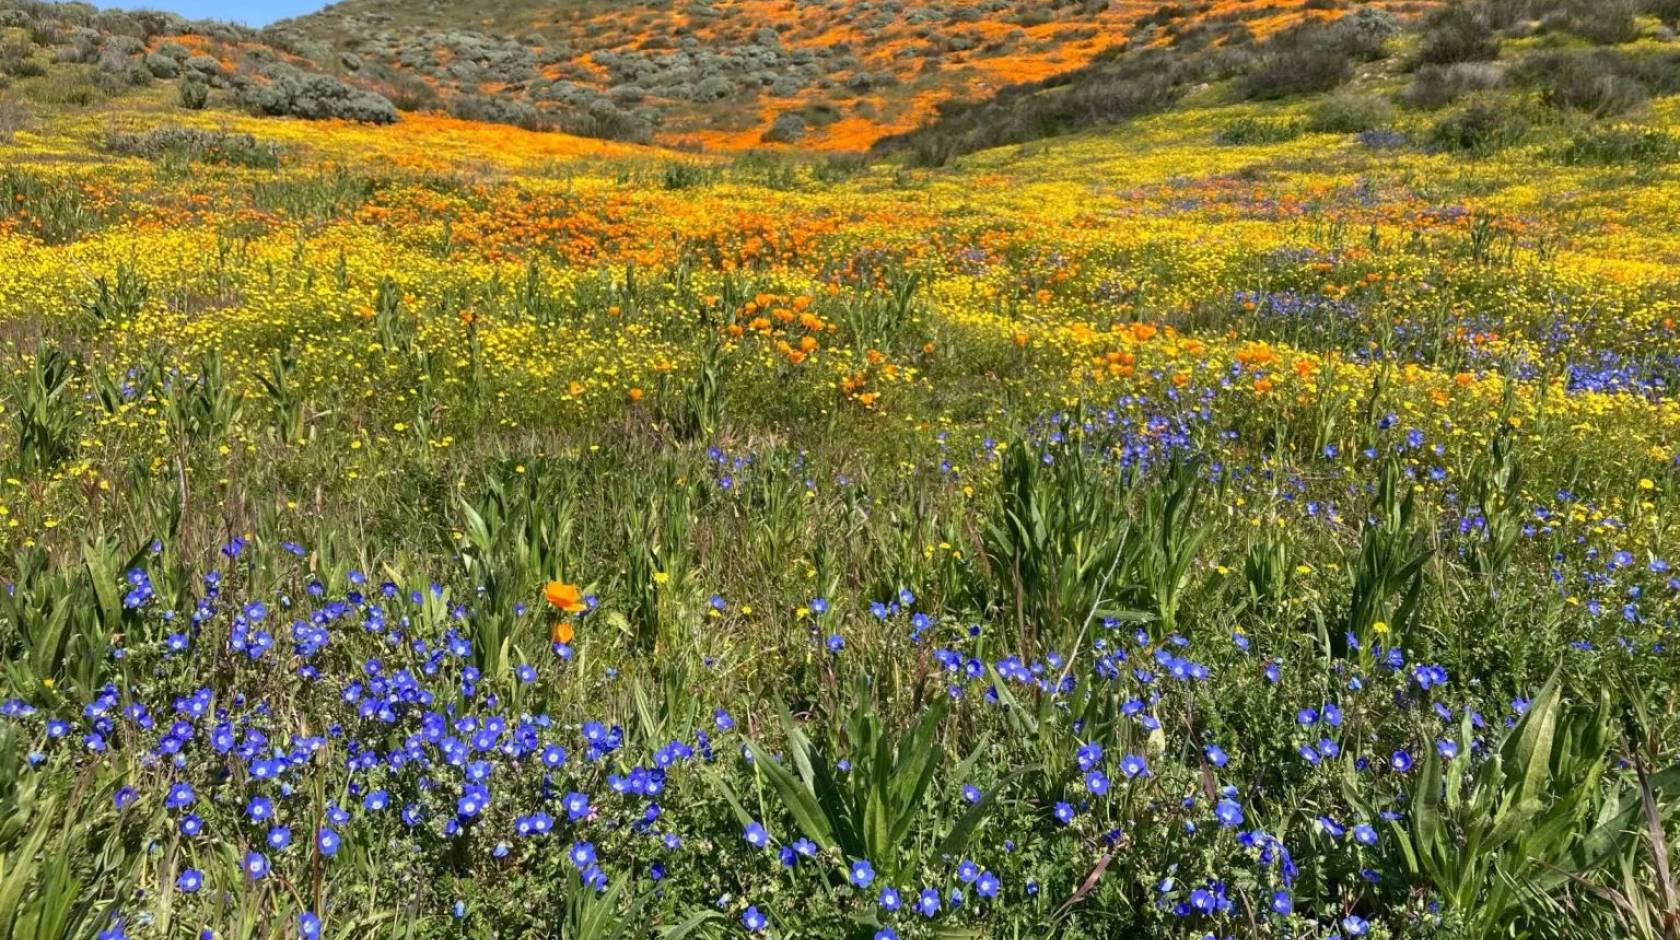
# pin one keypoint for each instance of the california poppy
(564, 596)
(561, 631)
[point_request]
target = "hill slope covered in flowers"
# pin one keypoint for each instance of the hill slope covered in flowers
(725, 76)
(1254, 519)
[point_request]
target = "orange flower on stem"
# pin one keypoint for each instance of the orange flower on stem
(565, 597)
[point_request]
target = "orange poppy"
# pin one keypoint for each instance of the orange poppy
(561, 631)
(564, 596)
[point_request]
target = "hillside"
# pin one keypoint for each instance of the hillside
(931, 80)
(736, 74)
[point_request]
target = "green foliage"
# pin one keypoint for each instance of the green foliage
(886, 320)
(394, 328)
(517, 533)
(317, 198)
(1636, 877)
(1615, 145)
(200, 408)
(303, 493)
(1482, 126)
(1266, 569)
(603, 916)
(58, 623)
(1057, 536)
(63, 866)
(658, 519)
(876, 809)
(1170, 539)
(1387, 578)
(57, 211)
(1495, 490)
(838, 168)
(1497, 837)
(699, 409)
(284, 397)
(1346, 113)
(193, 94)
(1458, 32)
(117, 299)
(43, 417)
(195, 145)
(1253, 130)
(688, 175)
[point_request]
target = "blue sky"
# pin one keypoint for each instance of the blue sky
(249, 12)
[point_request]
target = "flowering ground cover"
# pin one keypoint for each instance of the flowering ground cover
(1210, 527)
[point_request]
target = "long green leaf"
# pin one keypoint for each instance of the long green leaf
(687, 928)
(1426, 808)
(800, 802)
(1528, 750)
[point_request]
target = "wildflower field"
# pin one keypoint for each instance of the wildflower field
(1226, 525)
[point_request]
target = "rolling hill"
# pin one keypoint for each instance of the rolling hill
(734, 74)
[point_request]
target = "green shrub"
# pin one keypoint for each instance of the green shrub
(410, 92)
(685, 175)
(1607, 22)
(18, 61)
(1485, 124)
(193, 94)
(1458, 33)
(1252, 130)
(1349, 114)
(195, 145)
(162, 66)
(1436, 86)
(608, 123)
(1299, 61)
(285, 90)
(1668, 11)
(1621, 144)
(1365, 31)
(1598, 82)
(787, 128)
(495, 109)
